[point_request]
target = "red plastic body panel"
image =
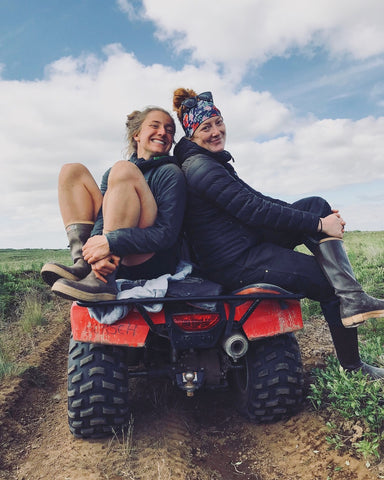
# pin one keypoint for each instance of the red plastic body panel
(130, 331)
(270, 317)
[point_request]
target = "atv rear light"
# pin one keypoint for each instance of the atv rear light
(193, 322)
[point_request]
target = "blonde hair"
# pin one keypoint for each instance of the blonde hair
(134, 122)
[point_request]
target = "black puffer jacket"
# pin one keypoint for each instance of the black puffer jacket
(224, 215)
(167, 184)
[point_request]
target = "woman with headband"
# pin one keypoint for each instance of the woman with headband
(240, 236)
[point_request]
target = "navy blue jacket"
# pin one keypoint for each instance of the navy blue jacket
(167, 184)
(224, 215)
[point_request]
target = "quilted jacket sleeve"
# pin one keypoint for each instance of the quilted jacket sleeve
(217, 184)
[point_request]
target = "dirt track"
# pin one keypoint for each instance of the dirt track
(173, 437)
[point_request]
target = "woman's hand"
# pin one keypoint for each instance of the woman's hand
(96, 248)
(105, 266)
(333, 225)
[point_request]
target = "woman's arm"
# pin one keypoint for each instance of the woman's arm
(212, 181)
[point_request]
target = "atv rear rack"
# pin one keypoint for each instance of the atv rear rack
(277, 311)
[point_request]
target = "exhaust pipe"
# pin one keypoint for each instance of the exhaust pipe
(235, 346)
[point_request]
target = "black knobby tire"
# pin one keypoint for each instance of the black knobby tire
(97, 389)
(269, 387)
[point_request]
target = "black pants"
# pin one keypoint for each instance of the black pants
(274, 261)
(160, 264)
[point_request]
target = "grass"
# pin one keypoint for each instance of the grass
(354, 403)
(356, 406)
(17, 290)
(123, 438)
(355, 399)
(25, 302)
(7, 366)
(20, 281)
(32, 314)
(30, 260)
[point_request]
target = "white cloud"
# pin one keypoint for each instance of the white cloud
(76, 114)
(250, 114)
(132, 11)
(320, 155)
(235, 34)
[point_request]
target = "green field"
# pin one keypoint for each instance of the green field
(13, 260)
(364, 249)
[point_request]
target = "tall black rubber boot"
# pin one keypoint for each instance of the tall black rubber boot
(355, 305)
(346, 345)
(78, 234)
(89, 289)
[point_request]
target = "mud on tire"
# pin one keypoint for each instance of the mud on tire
(97, 389)
(270, 386)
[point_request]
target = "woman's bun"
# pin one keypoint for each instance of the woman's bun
(179, 95)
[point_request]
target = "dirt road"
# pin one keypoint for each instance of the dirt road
(171, 437)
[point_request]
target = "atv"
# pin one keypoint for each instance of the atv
(202, 337)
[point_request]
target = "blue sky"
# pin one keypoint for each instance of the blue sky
(300, 85)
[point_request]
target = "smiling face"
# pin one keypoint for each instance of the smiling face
(211, 134)
(155, 136)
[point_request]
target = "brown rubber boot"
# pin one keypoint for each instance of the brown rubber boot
(356, 306)
(78, 234)
(89, 289)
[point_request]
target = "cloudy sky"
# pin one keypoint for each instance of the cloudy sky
(300, 85)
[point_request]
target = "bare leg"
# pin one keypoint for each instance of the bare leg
(128, 202)
(80, 198)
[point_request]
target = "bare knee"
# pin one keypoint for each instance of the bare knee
(124, 171)
(71, 171)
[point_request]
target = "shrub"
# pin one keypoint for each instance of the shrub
(352, 396)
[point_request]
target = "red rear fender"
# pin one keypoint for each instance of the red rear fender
(131, 331)
(270, 317)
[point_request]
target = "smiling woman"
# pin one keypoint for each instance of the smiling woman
(153, 135)
(129, 228)
(241, 237)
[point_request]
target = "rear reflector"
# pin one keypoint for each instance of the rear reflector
(196, 322)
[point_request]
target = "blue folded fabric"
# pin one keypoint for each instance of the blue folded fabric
(154, 288)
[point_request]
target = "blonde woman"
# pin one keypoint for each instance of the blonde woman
(129, 228)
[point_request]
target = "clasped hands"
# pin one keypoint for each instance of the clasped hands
(333, 225)
(96, 252)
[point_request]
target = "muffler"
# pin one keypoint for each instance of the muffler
(236, 346)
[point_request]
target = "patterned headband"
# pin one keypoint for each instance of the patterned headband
(199, 109)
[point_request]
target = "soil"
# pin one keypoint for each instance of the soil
(170, 437)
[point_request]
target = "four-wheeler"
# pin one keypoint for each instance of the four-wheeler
(202, 337)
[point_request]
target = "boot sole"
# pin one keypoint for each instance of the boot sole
(53, 273)
(74, 294)
(360, 318)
